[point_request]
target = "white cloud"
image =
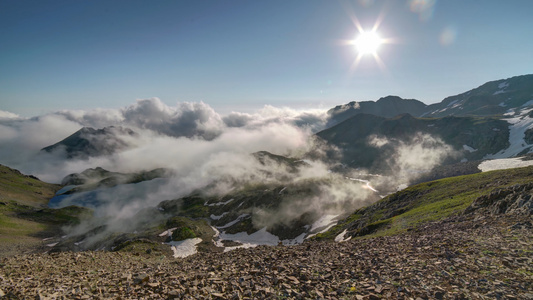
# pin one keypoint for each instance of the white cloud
(6, 115)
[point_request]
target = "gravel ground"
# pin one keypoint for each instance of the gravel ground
(459, 258)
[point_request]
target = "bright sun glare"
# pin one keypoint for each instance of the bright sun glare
(368, 42)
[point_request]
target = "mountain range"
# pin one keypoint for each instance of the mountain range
(368, 144)
(478, 124)
(493, 98)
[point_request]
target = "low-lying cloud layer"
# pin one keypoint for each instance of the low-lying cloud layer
(178, 137)
(410, 159)
(202, 148)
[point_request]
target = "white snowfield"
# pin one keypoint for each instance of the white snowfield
(504, 163)
(184, 248)
(519, 123)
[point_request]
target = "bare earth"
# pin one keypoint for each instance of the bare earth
(459, 258)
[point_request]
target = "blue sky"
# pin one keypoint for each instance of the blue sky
(242, 55)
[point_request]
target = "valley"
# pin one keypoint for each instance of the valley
(368, 200)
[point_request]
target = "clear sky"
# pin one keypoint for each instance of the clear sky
(242, 55)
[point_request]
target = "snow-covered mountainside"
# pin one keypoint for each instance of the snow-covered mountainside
(520, 133)
(490, 99)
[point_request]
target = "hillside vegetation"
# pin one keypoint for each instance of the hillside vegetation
(420, 204)
(24, 217)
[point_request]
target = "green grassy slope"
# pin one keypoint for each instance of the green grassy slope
(24, 218)
(426, 202)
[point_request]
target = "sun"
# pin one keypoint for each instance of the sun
(368, 42)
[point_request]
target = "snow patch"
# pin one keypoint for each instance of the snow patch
(469, 149)
(517, 128)
(184, 248)
(239, 218)
(217, 217)
(503, 85)
(282, 190)
(297, 240)
(363, 181)
(452, 103)
(502, 104)
(260, 237)
(168, 232)
(504, 163)
(219, 203)
(324, 221)
(529, 103)
(340, 237)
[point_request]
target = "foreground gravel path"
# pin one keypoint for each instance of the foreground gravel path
(485, 257)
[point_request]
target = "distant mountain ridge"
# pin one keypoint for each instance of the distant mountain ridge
(386, 107)
(494, 120)
(471, 137)
(493, 98)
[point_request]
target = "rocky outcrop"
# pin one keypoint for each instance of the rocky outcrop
(516, 199)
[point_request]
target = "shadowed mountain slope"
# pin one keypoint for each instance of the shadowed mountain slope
(89, 142)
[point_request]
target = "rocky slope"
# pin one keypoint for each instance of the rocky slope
(473, 257)
(467, 238)
(490, 193)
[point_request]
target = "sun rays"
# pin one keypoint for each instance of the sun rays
(367, 42)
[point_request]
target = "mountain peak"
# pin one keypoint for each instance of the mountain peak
(89, 142)
(387, 107)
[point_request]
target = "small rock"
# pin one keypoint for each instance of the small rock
(141, 278)
(439, 295)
